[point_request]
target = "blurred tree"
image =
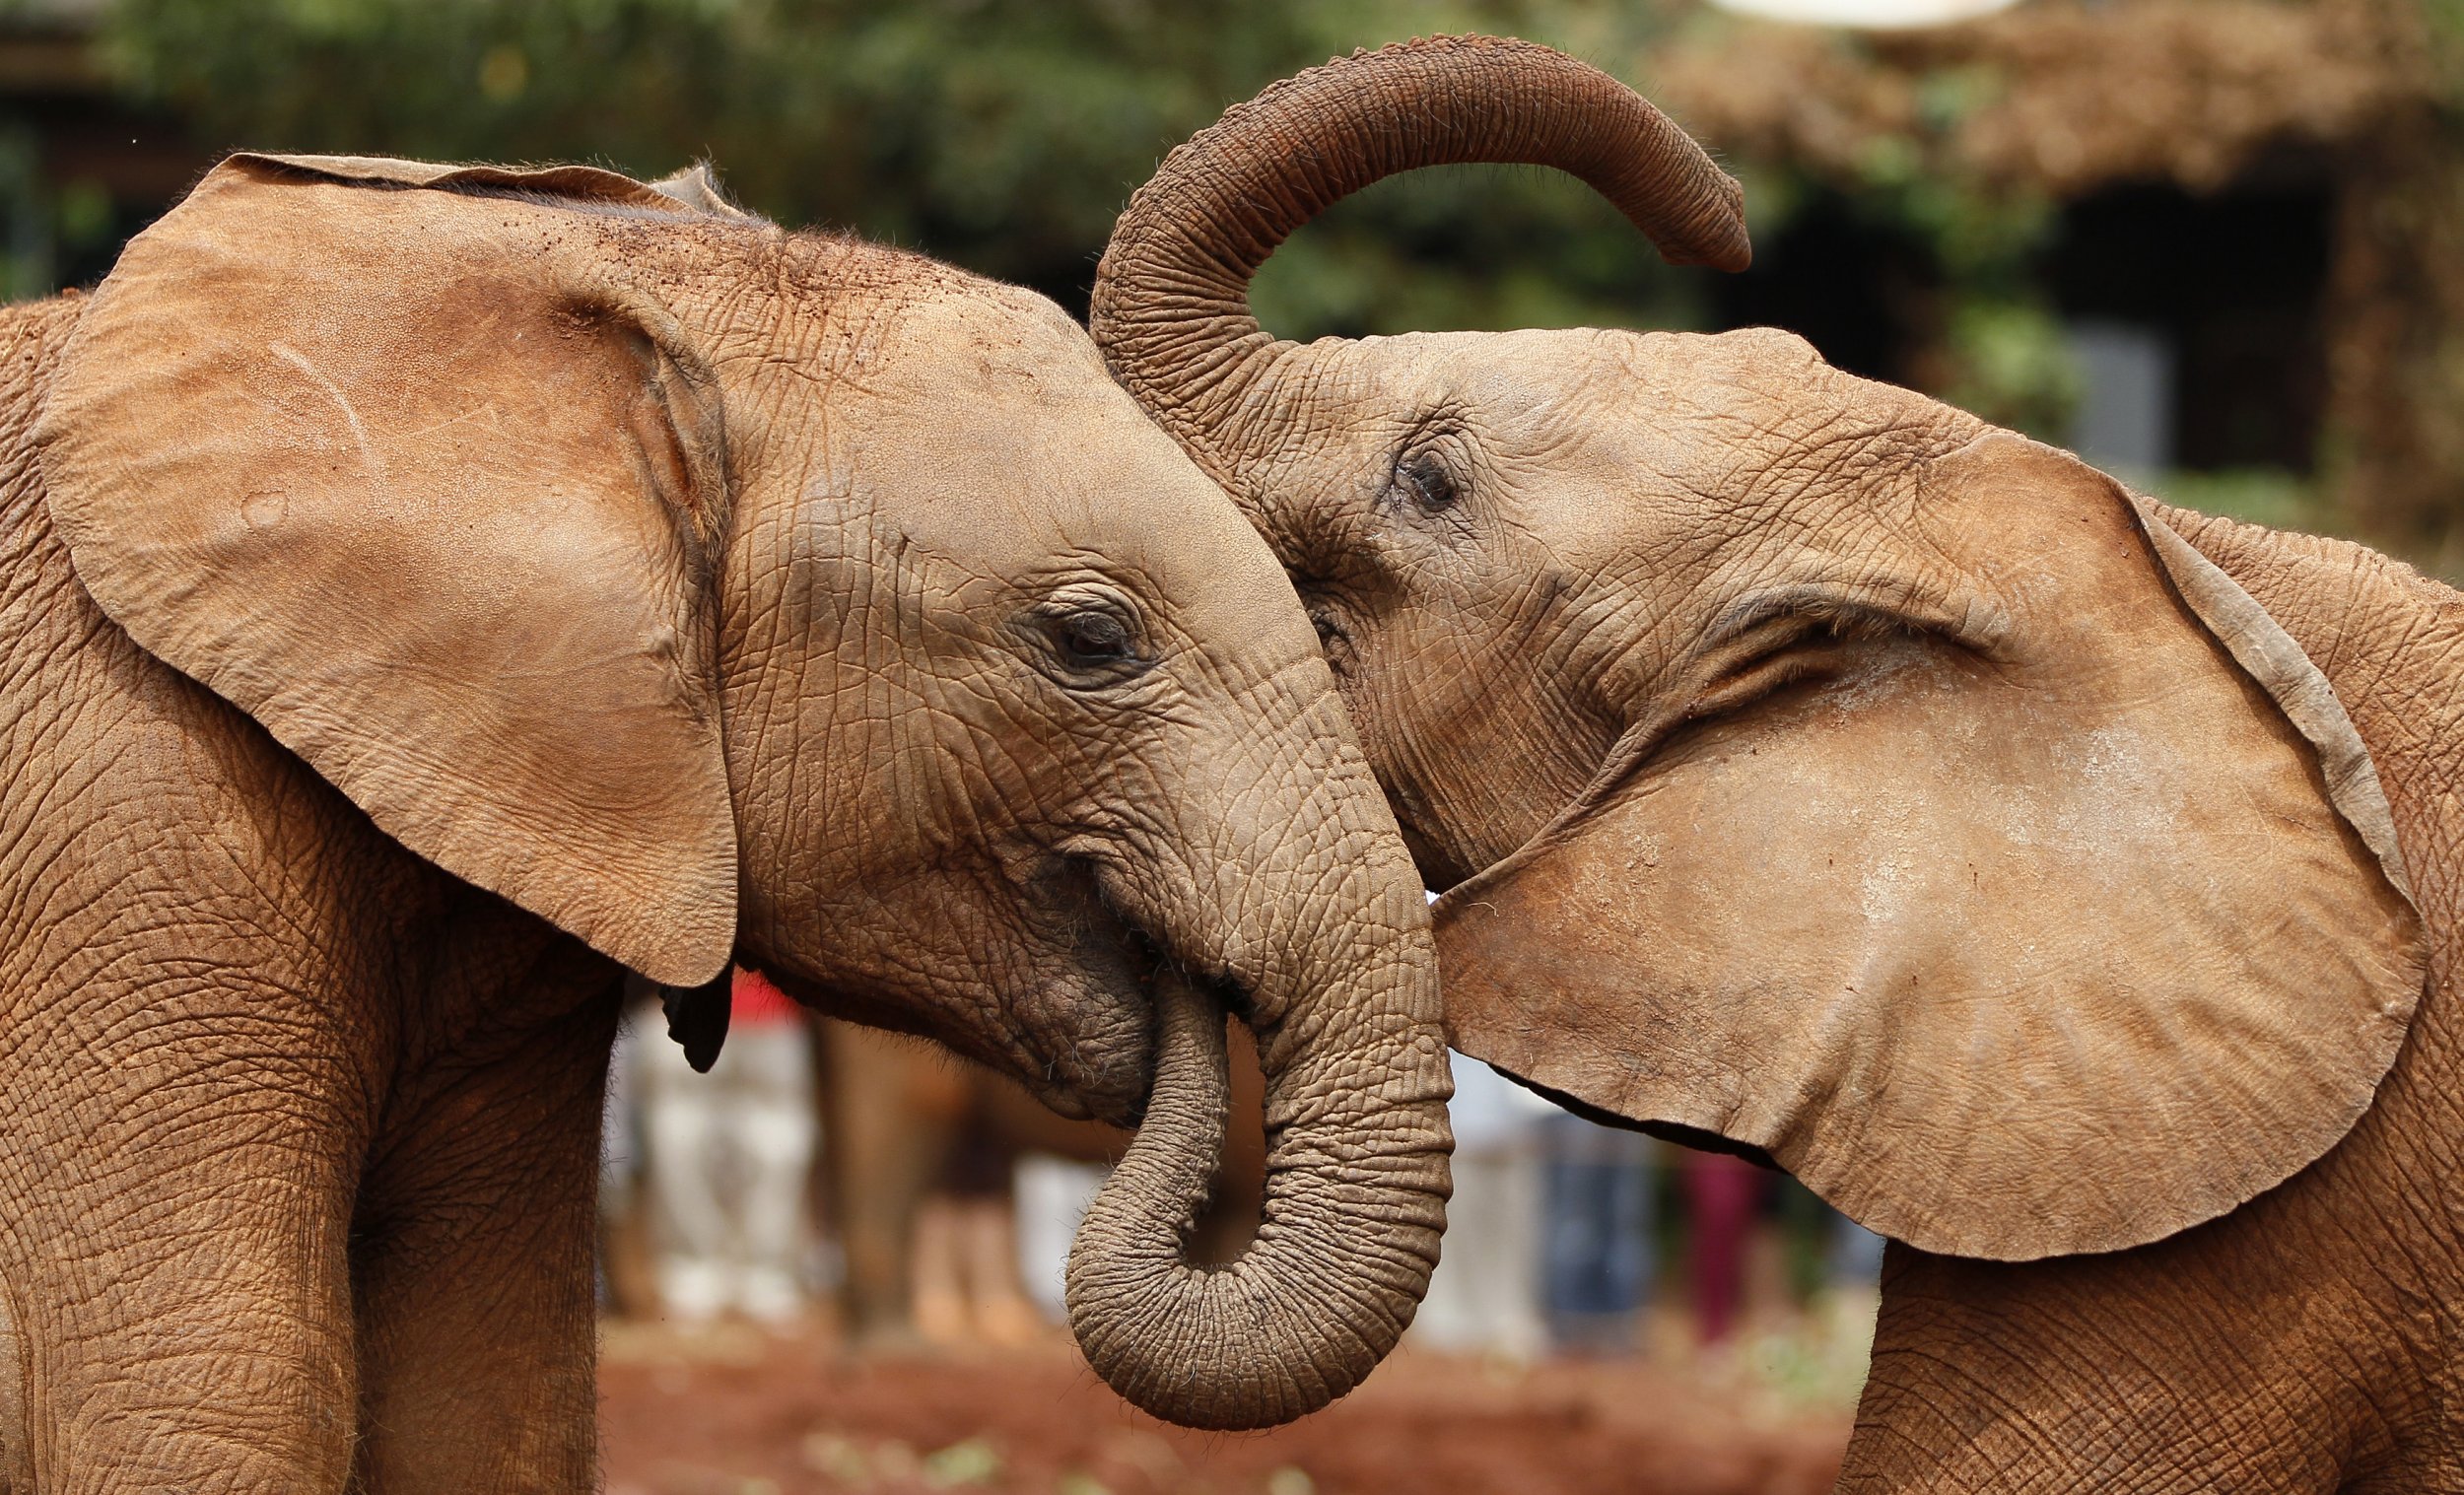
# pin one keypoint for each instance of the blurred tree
(1907, 189)
(1001, 135)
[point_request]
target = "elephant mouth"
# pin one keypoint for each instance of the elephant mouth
(1089, 1040)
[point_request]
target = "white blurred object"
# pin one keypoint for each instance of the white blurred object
(620, 1130)
(2125, 417)
(1491, 1114)
(1052, 1195)
(729, 1154)
(1485, 1298)
(1873, 15)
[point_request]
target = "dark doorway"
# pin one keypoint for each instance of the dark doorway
(1855, 289)
(2231, 284)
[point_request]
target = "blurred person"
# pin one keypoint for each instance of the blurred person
(922, 1151)
(625, 1285)
(729, 1153)
(1485, 1296)
(1051, 1195)
(1598, 1212)
(1852, 1293)
(1856, 1256)
(967, 1283)
(1722, 1194)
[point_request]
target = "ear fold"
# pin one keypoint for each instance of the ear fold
(2060, 950)
(381, 454)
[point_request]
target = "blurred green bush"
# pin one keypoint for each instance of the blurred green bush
(1001, 134)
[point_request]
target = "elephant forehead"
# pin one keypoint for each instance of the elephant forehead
(1760, 400)
(994, 436)
(1491, 378)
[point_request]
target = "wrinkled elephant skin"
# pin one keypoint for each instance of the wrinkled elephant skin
(2058, 882)
(429, 590)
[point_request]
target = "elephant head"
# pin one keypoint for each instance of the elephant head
(1811, 764)
(713, 591)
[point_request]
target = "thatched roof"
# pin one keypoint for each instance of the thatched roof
(2056, 96)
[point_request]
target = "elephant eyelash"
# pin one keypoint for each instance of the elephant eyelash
(1089, 641)
(1425, 478)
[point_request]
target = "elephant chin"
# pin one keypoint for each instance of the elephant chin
(1116, 1095)
(1088, 1003)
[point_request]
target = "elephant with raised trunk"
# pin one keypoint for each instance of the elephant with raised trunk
(426, 591)
(2062, 883)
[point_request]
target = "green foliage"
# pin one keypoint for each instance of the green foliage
(27, 264)
(973, 1462)
(2001, 354)
(2008, 361)
(2444, 25)
(2266, 496)
(1001, 135)
(1466, 247)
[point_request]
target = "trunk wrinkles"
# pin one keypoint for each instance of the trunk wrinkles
(1171, 306)
(1356, 1189)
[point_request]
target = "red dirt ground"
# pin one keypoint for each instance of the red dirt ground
(744, 1413)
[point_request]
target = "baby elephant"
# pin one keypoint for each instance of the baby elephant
(426, 591)
(2064, 884)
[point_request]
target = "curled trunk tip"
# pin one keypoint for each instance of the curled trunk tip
(1355, 1204)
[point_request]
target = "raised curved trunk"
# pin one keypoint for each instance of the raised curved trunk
(1171, 307)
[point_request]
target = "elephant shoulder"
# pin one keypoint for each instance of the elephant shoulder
(38, 590)
(31, 335)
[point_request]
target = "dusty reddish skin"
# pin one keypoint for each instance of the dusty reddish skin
(777, 535)
(1520, 547)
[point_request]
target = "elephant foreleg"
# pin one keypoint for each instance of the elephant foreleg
(894, 1111)
(172, 1248)
(472, 1264)
(2185, 1366)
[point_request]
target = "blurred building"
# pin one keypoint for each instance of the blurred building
(2241, 221)
(81, 168)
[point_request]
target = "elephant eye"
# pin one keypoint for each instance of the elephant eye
(1090, 638)
(1424, 477)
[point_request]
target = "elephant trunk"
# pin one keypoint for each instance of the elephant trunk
(1341, 978)
(1171, 307)
(1355, 1202)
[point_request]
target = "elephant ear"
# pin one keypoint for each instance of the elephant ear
(387, 457)
(2061, 945)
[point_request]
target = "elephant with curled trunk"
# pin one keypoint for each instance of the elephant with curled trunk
(426, 592)
(2062, 883)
